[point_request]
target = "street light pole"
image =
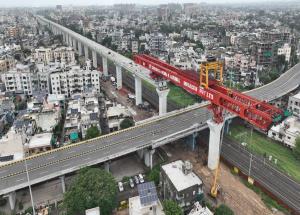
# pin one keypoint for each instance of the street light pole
(27, 174)
(250, 165)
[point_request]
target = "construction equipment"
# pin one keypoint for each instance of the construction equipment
(258, 113)
(209, 86)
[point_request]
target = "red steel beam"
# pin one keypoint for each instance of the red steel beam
(258, 113)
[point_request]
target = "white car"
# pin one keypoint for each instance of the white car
(131, 183)
(120, 185)
(141, 178)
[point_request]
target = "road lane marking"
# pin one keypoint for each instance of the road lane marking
(42, 173)
(51, 157)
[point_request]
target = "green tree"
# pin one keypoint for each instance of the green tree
(153, 174)
(172, 208)
(223, 210)
(29, 210)
(92, 132)
(126, 123)
(91, 188)
(89, 35)
(296, 150)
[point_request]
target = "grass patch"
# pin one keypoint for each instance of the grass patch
(268, 201)
(148, 85)
(180, 96)
(262, 145)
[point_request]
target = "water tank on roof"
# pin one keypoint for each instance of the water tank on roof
(187, 167)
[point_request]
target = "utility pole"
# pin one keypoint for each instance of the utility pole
(27, 173)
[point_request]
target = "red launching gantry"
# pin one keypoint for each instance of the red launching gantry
(259, 113)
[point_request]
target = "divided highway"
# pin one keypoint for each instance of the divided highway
(67, 159)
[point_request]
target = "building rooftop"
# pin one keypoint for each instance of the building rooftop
(296, 96)
(135, 207)
(180, 180)
(93, 211)
(40, 140)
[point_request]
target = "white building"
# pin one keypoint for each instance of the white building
(199, 210)
(115, 115)
(286, 132)
(47, 55)
(286, 51)
(39, 143)
(180, 183)
(147, 202)
(135, 46)
(19, 79)
(83, 112)
(294, 104)
(74, 80)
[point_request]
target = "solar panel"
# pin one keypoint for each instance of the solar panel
(6, 158)
(147, 193)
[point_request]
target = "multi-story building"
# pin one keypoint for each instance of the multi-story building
(265, 52)
(286, 132)
(286, 51)
(73, 79)
(20, 79)
(294, 104)
(60, 54)
(134, 46)
(83, 113)
(7, 63)
(157, 43)
(275, 35)
(43, 55)
(180, 183)
(12, 31)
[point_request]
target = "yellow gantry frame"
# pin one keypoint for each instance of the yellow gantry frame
(205, 68)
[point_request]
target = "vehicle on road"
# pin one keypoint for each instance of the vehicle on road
(131, 183)
(136, 179)
(141, 178)
(120, 185)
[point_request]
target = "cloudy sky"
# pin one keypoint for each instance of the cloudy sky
(38, 3)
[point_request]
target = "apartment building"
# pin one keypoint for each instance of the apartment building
(83, 112)
(294, 104)
(157, 43)
(20, 79)
(60, 54)
(74, 79)
(265, 52)
(286, 51)
(7, 62)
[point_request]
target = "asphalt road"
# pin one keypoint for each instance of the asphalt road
(68, 159)
(277, 183)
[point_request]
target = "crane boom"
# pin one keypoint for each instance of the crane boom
(258, 113)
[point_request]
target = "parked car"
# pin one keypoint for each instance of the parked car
(120, 185)
(136, 179)
(131, 183)
(141, 178)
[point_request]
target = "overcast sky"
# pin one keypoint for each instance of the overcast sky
(38, 3)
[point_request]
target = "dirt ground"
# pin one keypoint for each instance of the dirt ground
(121, 97)
(234, 193)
